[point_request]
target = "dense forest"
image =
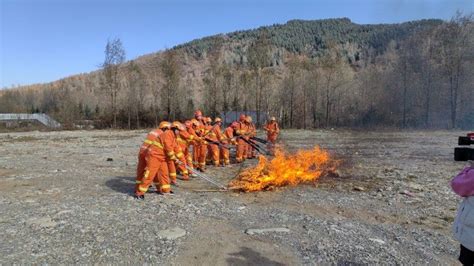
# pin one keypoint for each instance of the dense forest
(309, 74)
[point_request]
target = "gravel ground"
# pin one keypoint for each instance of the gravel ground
(62, 201)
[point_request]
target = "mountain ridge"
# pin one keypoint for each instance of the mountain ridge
(198, 45)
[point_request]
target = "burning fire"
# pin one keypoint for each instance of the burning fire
(285, 170)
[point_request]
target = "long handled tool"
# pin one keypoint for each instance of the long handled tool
(208, 179)
(218, 144)
(259, 140)
(256, 147)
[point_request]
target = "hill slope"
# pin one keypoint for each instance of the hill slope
(334, 71)
(311, 36)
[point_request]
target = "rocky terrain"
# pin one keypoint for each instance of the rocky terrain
(65, 197)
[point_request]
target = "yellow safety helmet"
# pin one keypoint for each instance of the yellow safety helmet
(164, 125)
(248, 119)
(178, 126)
(217, 120)
(195, 122)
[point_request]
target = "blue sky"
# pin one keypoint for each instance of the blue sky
(44, 40)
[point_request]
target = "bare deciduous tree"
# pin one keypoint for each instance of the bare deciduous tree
(114, 57)
(259, 58)
(171, 70)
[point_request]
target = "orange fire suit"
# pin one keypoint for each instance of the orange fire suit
(214, 135)
(161, 150)
(151, 136)
(226, 139)
(184, 140)
(191, 159)
(272, 131)
(171, 163)
(242, 133)
(200, 149)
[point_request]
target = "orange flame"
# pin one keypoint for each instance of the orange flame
(285, 170)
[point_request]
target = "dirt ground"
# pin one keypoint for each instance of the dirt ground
(63, 200)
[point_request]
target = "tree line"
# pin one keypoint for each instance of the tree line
(419, 76)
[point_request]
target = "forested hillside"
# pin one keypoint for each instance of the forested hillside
(309, 74)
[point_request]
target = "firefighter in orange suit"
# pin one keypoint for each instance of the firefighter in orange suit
(227, 139)
(203, 149)
(272, 133)
(272, 130)
(191, 128)
(174, 164)
(151, 136)
(200, 148)
(190, 137)
(208, 129)
(183, 139)
(242, 138)
(252, 133)
(215, 135)
(160, 150)
(196, 129)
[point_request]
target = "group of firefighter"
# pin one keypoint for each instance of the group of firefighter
(187, 147)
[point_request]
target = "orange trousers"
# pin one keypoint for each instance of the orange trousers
(156, 170)
(202, 153)
(214, 154)
(225, 155)
(209, 154)
(271, 138)
(189, 159)
(172, 167)
(172, 171)
(140, 167)
(195, 155)
(250, 152)
(241, 150)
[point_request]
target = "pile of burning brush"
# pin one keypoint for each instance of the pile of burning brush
(285, 169)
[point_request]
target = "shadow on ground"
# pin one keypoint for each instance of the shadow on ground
(248, 256)
(122, 184)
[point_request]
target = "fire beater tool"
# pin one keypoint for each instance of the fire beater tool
(205, 177)
(256, 147)
(218, 144)
(259, 140)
